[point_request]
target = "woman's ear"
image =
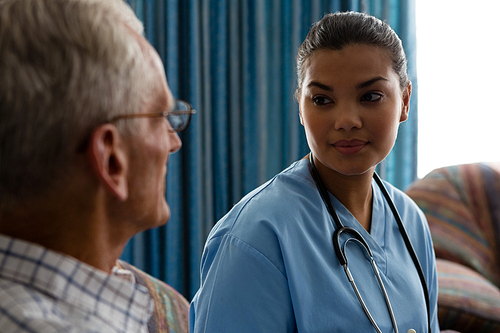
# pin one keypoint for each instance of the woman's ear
(405, 103)
(109, 160)
(297, 98)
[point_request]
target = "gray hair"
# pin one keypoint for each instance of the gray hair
(335, 31)
(66, 66)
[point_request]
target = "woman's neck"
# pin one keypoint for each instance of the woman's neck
(354, 192)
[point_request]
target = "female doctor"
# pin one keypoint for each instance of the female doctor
(323, 247)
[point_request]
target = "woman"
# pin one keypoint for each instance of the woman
(270, 264)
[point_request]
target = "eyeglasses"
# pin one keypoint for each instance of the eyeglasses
(178, 117)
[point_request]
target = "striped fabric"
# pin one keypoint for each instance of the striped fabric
(171, 310)
(467, 301)
(462, 206)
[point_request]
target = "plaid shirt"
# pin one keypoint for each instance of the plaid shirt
(45, 291)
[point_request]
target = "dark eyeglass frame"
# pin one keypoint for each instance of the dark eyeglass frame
(180, 108)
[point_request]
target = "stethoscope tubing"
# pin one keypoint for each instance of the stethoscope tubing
(409, 246)
(377, 274)
(340, 228)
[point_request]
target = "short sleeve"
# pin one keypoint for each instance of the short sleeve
(242, 291)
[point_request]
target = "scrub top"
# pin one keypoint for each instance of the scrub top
(269, 265)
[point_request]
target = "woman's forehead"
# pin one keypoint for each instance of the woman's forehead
(351, 64)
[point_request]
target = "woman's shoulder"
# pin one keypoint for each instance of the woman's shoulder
(290, 184)
(400, 198)
(279, 200)
(411, 215)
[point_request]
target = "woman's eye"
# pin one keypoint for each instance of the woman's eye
(371, 97)
(321, 100)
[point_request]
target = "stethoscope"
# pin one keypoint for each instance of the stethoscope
(356, 237)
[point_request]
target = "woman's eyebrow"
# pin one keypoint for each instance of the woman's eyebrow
(370, 82)
(319, 85)
(358, 86)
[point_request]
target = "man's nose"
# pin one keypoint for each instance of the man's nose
(175, 141)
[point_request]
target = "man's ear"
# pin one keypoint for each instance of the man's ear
(405, 103)
(109, 160)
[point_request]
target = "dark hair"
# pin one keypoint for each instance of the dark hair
(335, 31)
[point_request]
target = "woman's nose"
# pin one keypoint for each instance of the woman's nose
(347, 117)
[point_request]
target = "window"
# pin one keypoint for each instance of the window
(458, 66)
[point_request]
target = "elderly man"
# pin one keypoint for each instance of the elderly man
(87, 124)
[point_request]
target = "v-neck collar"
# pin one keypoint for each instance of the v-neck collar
(376, 238)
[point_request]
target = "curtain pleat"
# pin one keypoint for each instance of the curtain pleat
(234, 61)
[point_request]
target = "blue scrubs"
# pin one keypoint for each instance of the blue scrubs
(269, 265)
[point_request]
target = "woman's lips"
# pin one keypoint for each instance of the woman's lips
(349, 147)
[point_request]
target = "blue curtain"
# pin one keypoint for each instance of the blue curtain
(234, 60)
